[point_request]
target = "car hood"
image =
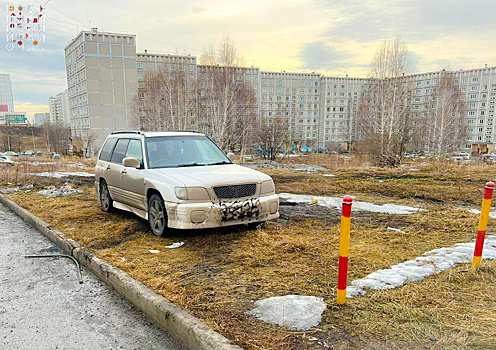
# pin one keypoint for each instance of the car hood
(213, 175)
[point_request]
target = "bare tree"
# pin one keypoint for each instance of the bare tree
(168, 100)
(385, 116)
(227, 101)
(56, 138)
(272, 136)
(444, 116)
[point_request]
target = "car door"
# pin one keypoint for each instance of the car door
(104, 159)
(114, 169)
(132, 179)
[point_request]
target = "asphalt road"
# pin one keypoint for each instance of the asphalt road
(43, 306)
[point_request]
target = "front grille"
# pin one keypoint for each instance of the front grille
(235, 191)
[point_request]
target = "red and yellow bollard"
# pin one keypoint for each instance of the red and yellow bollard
(483, 219)
(344, 249)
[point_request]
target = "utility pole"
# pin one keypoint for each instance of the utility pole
(32, 134)
(8, 140)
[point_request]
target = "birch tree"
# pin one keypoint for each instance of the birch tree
(385, 115)
(227, 101)
(168, 101)
(444, 116)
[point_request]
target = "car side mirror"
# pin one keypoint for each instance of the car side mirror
(131, 162)
(231, 156)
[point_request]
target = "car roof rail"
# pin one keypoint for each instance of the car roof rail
(125, 132)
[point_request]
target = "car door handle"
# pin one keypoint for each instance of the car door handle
(124, 171)
(108, 167)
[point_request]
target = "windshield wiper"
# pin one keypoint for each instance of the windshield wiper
(219, 163)
(189, 164)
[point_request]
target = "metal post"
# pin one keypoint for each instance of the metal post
(344, 249)
(483, 220)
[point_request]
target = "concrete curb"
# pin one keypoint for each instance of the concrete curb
(181, 325)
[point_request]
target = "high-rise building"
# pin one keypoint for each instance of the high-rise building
(105, 74)
(6, 96)
(41, 118)
(102, 83)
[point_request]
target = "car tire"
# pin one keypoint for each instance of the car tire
(106, 201)
(157, 215)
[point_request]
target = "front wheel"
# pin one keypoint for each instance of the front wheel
(106, 201)
(157, 215)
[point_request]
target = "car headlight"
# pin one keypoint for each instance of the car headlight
(191, 193)
(267, 187)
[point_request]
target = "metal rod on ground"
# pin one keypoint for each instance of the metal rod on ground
(60, 256)
(483, 219)
(344, 249)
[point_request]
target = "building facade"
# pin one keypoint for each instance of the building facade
(41, 118)
(102, 83)
(59, 111)
(106, 76)
(6, 96)
(13, 118)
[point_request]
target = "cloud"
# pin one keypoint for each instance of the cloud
(321, 55)
(198, 8)
(373, 20)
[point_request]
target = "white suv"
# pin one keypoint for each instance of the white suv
(180, 180)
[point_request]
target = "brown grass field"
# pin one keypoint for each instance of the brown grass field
(217, 274)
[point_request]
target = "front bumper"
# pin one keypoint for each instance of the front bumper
(210, 215)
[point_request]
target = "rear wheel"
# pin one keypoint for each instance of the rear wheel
(106, 201)
(157, 215)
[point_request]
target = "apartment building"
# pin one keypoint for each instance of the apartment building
(294, 97)
(105, 74)
(101, 70)
(6, 96)
(478, 91)
(59, 110)
(41, 118)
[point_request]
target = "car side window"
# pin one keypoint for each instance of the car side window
(134, 150)
(119, 151)
(107, 149)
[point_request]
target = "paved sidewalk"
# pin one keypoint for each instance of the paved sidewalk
(43, 306)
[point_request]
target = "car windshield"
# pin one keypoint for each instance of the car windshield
(183, 151)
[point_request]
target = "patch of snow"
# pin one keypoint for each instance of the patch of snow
(63, 191)
(492, 214)
(336, 202)
(62, 174)
(77, 165)
(36, 163)
(329, 175)
(10, 190)
(16, 189)
(295, 312)
(394, 229)
(430, 263)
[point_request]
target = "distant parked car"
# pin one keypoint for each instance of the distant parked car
(180, 180)
(27, 153)
(11, 154)
(56, 156)
(38, 153)
(6, 160)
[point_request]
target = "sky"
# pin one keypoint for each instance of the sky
(327, 36)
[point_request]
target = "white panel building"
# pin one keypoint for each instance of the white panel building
(6, 96)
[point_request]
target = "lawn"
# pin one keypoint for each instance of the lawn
(217, 274)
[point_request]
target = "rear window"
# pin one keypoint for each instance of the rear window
(119, 151)
(107, 149)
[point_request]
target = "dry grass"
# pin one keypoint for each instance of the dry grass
(218, 273)
(21, 172)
